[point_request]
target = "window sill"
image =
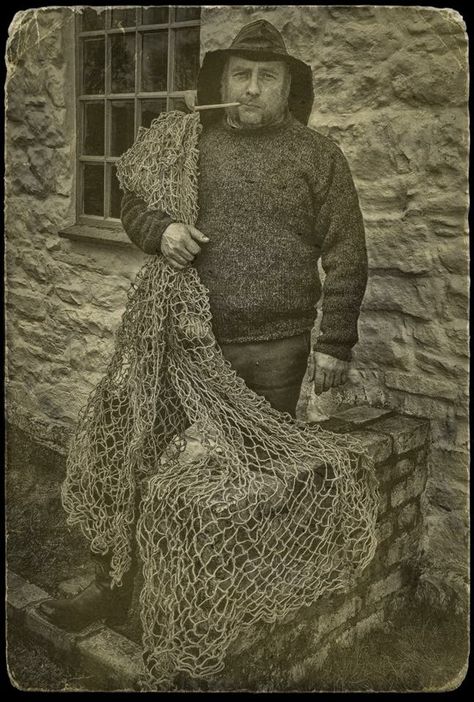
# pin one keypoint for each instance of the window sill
(100, 235)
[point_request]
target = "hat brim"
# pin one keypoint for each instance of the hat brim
(300, 100)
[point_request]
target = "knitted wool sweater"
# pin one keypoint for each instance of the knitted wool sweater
(272, 201)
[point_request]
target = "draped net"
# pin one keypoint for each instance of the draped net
(271, 515)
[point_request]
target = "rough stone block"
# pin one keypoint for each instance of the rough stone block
(384, 503)
(416, 482)
(53, 636)
(332, 620)
(385, 587)
(362, 415)
(407, 433)
(401, 548)
(420, 385)
(346, 639)
(108, 650)
(383, 531)
(399, 494)
(373, 621)
(408, 515)
(378, 445)
(21, 593)
(403, 467)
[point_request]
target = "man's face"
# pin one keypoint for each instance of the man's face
(261, 86)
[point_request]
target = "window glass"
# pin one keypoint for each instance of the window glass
(186, 58)
(93, 125)
(115, 193)
(122, 126)
(93, 67)
(151, 109)
(122, 63)
(155, 61)
(126, 79)
(93, 189)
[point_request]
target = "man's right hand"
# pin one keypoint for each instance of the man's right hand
(179, 244)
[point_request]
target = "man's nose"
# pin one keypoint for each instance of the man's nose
(253, 87)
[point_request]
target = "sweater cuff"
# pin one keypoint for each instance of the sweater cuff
(343, 353)
(152, 238)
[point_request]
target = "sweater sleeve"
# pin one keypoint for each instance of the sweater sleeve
(344, 261)
(144, 227)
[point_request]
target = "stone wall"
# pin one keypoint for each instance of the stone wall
(64, 298)
(390, 88)
(272, 657)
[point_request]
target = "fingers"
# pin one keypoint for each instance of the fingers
(179, 257)
(319, 381)
(324, 380)
(196, 234)
(310, 368)
(191, 247)
(175, 264)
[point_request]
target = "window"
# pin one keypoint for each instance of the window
(132, 64)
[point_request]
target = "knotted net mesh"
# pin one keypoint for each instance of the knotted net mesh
(269, 515)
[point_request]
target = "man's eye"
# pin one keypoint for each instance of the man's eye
(268, 76)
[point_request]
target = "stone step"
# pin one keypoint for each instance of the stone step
(113, 661)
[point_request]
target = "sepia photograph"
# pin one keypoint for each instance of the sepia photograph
(237, 348)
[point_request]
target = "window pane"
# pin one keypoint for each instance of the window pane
(93, 189)
(186, 58)
(155, 61)
(187, 13)
(122, 113)
(92, 18)
(155, 15)
(115, 194)
(178, 103)
(151, 109)
(123, 63)
(123, 18)
(93, 129)
(93, 70)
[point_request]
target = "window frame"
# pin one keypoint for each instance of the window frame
(85, 224)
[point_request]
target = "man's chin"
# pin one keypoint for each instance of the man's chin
(250, 118)
(249, 122)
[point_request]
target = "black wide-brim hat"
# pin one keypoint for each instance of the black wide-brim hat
(258, 41)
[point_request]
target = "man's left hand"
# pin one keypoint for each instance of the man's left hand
(326, 372)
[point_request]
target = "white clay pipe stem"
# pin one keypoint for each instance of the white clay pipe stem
(214, 107)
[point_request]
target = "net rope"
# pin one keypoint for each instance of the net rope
(268, 517)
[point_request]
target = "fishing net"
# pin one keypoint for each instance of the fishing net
(268, 516)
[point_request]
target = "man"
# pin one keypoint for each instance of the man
(274, 198)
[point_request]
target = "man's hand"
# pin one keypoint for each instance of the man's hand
(326, 371)
(179, 244)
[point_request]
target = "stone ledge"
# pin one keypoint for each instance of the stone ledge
(407, 433)
(97, 235)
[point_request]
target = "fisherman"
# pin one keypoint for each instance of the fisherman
(275, 197)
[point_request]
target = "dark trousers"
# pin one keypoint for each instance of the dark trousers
(274, 369)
